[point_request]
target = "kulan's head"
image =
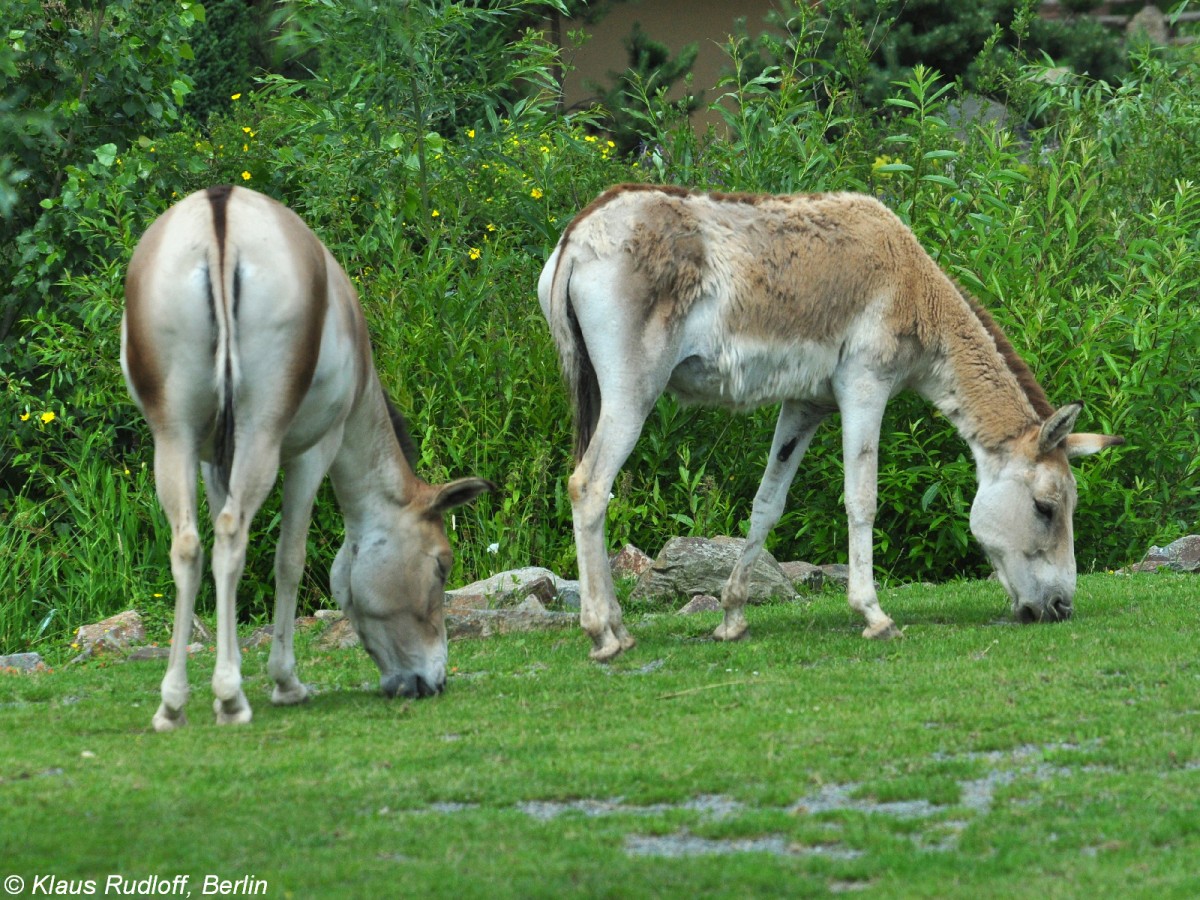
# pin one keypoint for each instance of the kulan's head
(1023, 514)
(391, 584)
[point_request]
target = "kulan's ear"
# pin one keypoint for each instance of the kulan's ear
(1087, 444)
(1057, 428)
(456, 493)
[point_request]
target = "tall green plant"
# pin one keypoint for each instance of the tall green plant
(74, 78)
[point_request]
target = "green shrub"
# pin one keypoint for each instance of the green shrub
(442, 209)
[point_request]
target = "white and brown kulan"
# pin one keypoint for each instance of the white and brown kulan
(821, 303)
(244, 345)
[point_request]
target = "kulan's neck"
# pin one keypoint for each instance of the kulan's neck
(978, 382)
(370, 473)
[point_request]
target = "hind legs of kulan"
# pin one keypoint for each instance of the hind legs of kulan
(609, 639)
(235, 711)
(589, 487)
(885, 630)
(733, 600)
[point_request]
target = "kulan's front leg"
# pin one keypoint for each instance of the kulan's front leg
(302, 478)
(860, 447)
(794, 431)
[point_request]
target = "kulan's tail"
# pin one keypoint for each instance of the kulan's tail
(577, 370)
(223, 290)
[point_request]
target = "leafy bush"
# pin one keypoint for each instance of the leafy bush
(74, 78)
(442, 201)
(865, 46)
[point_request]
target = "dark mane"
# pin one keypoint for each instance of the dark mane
(1019, 368)
(408, 446)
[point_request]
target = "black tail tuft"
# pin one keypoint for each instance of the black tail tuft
(223, 440)
(584, 386)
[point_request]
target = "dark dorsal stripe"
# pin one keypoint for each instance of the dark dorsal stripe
(218, 196)
(1016, 365)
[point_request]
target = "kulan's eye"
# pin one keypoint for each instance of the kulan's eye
(1044, 509)
(443, 567)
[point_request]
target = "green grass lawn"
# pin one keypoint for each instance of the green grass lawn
(974, 758)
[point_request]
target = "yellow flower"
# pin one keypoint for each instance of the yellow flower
(435, 214)
(491, 227)
(25, 417)
(246, 130)
(237, 96)
(611, 145)
(158, 595)
(471, 133)
(475, 253)
(245, 148)
(536, 193)
(246, 176)
(880, 162)
(591, 138)
(48, 417)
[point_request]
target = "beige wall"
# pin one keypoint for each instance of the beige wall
(706, 23)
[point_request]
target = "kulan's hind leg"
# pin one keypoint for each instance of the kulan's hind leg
(255, 465)
(589, 486)
(175, 478)
(794, 431)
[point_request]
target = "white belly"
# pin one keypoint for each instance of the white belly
(742, 373)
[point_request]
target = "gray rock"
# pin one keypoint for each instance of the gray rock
(974, 109)
(569, 596)
(836, 573)
(117, 633)
(698, 604)
(692, 565)
(339, 634)
(259, 637)
(1149, 24)
(201, 632)
(803, 575)
(23, 662)
(482, 623)
(531, 604)
(142, 653)
(507, 589)
(1182, 555)
(629, 562)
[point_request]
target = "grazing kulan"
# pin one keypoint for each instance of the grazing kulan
(819, 303)
(244, 346)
